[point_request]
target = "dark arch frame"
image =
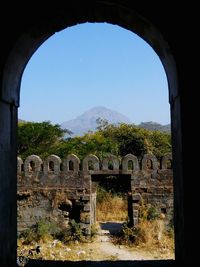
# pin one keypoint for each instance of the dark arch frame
(33, 36)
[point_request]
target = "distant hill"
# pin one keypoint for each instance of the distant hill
(87, 121)
(20, 120)
(154, 126)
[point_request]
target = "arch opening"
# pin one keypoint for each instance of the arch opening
(111, 164)
(71, 165)
(23, 62)
(32, 166)
(130, 165)
(51, 166)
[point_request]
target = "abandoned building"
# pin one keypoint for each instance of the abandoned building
(46, 192)
(25, 27)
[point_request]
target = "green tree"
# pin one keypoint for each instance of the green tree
(161, 143)
(135, 140)
(101, 123)
(91, 143)
(39, 138)
(44, 139)
(129, 138)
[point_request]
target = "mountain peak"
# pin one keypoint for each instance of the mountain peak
(87, 121)
(106, 113)
(98, 108)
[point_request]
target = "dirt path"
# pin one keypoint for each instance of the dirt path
(117, 252)
(114, 251)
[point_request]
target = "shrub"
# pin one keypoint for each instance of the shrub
(152, 213)
(148, 212)
(73, 232)
(94, 229)
(42, 230)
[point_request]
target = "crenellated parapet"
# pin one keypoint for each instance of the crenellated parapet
(91, 164)
(149, 161)
(129, 158)
(72, 173)
(32, 165)
(52, 165)
(71, 164)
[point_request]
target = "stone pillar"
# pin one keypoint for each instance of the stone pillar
(8, 184)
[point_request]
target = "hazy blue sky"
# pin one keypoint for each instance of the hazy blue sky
(94, 65)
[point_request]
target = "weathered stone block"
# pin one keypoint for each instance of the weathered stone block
(87, 207)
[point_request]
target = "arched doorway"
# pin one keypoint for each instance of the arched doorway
(27, 43)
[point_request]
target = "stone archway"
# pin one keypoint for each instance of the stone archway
(24, 44)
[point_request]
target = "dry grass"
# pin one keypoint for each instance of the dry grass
(113, 208)
(56, 250)
(154, 234)
(150, 237)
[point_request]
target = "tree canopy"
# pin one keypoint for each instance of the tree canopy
(38, 138)
(44, 139)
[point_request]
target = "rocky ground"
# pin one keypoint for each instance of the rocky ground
(102, 248)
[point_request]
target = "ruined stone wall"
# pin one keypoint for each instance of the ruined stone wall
(153, 184)
(58, 190)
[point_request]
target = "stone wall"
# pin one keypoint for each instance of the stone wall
(59, 190)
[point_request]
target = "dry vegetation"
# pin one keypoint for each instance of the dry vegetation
(57, 250)
(112, 209)
(154, 234)
(152, 238)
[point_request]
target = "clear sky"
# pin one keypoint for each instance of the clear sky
(90, 65)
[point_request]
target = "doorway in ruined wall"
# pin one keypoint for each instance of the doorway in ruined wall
(33, 49)
(112, 202)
